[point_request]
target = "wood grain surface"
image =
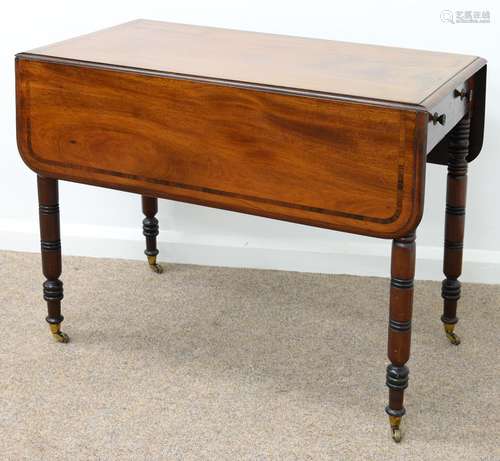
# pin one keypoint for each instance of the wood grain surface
(333, 164)
(326, 66)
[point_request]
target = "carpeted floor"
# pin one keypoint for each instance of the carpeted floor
(209, 363)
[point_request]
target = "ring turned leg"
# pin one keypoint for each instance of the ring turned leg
(48, 198)
(150, 229)
(400, 311)
(454, 225)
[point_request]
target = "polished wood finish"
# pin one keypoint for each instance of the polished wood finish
(150, 226)
(351, 167)
(400, 313)
(323, 66)
(48, 199)
(383, 76)
(322, 133)
(455, 219)
(274, 142)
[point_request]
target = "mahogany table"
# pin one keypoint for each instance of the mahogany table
(322, 133)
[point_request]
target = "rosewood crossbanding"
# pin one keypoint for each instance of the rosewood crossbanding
(268, 154)
(317, 132)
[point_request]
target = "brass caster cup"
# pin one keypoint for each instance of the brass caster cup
(395, 421)
(452, 337)
(57, 334)
(155, 267)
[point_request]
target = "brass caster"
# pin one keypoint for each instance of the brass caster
(396, 435)
(395, 421)
(57, 334)
(155, 267)
(453, 337)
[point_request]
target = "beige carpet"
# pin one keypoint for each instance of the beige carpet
(212, 363)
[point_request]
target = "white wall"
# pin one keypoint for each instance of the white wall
(100, 222)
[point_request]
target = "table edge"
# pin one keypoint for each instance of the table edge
(226, 82)
(461, 76)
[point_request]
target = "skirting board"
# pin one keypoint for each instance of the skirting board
(370, 259)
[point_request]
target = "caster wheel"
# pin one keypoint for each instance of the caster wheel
(58, 335)
(395, 421)
(396, 435)
(454, 339)
(61, 337)
(451, 335)
(156, 268)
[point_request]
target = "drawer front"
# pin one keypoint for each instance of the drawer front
(332, 164)
(453, 107)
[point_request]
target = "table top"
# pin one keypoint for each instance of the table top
(310, 65)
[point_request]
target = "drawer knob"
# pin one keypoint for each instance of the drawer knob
(462, 94)
(435, 118)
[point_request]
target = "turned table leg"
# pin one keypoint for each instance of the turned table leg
(454, 225)
(150, 229)
(400, 310)
(48, 198)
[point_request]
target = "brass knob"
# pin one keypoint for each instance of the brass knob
(462, 94)
(435, 118)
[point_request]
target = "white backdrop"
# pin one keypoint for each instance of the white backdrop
(99, 222)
